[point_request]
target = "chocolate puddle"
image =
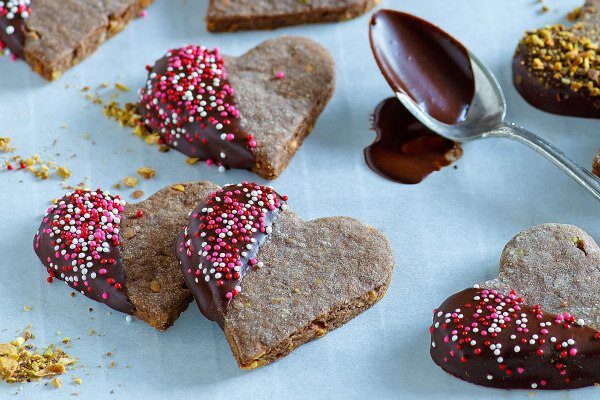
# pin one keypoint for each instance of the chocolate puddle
(405, 150)
(421, 60)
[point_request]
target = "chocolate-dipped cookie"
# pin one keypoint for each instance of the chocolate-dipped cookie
(121, 254)
(249, 112)
(52, 36)
(236, 15)
(557, 68)
(536, 325)
(272, 281)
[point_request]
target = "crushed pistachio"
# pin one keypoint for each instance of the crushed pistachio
(22, 362)
(77, 380)
(26, 308)
(63, 172)
(563, 56)
(146, 172)
(5, 145)
(191, 160)
(56, 382)
(121, 87)
(130, 181)
(155, 286)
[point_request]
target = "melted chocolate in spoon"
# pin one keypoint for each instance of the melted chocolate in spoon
(421, 60)
(405, 150)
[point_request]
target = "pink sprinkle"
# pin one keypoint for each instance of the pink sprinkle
(573, 351)
(105, 296)
(143, 14)
(280, 75)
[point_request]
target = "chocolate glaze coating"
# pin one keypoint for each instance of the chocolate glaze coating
(421, 60)
(405, 150)
(15, 41)
(490, 339)
(549, 97)
(60, 266)
(569, 86)
(211, 291)
(202, 139)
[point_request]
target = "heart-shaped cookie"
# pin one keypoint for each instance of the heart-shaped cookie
(248, 112)
(557, 68)
(535, 326)
(236, 15)
(53, 36)
(273, 281)
(121, 254)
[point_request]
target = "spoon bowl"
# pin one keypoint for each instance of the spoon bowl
(485, 116)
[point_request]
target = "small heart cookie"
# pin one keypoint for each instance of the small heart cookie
(121, 254)
(557, 68)
(536, 325)
(248, 112)
(53, 36)
(236, 15)
(273, 281)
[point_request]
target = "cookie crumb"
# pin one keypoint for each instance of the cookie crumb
(137, 194)
(22, 362)
(130, 181)
(121, 87)
(146, 172)
(178, 187)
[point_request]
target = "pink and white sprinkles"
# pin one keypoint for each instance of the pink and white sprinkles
(11, 9)
(191, 95)
(83, 228)
(230, 221)
(497, 338)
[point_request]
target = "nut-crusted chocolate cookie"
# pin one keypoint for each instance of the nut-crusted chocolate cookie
(536, 325)
(273, 281)
(52, 36)
(248, 112)
(557, 68)
(121, 254)
(236, 15)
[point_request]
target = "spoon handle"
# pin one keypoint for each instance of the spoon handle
(581, 175)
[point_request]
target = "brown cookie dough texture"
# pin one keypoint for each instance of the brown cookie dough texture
(556, 266)
(281, 113)
(236, 15)
(596, 165)
(153, 281)
(317, 276)
(62, 33)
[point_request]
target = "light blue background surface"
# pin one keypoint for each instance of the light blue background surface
(447, 232)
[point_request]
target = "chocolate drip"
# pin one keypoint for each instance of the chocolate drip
(98, 276)
(491, 339)
(405, 150)
(15, 40)
(421, 60)
(213, 269)
(217, 135)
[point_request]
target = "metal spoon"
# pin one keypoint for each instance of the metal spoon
(485, 119)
